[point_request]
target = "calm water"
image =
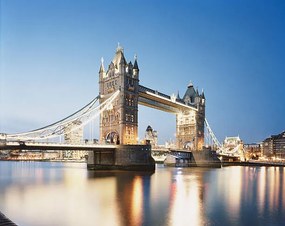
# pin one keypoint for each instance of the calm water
(42, 193)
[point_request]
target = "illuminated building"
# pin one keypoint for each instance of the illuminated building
(274, 146)
(252, 151)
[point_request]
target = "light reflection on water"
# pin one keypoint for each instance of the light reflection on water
(42, 193)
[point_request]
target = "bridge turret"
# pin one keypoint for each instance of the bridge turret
(130, 68)
(190, 95)
(136, 68)
(102, 72)
(203, 95)
(190, 124)
(119, 124)
(119, 60)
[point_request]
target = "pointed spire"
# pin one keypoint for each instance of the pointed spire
(119, 48)
(190, 84)
(119, 57)
(197, 91)
(122, 60)
(203, 95)
(102, 66)
(136, 63)
(178, 96)
(130, 66)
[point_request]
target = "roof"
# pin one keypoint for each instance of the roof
(190, 91)
(119, 57)
(136, 65)
(148, 129)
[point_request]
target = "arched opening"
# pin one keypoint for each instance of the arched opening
(112, 138)
(189, 145)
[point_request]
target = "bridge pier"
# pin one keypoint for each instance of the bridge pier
(122, 157)
(201, 158)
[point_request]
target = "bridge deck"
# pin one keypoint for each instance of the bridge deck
(11, 145)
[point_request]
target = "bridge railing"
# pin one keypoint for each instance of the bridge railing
(144, 89)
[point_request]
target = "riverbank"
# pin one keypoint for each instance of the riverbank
(254, 163)
(44, 160)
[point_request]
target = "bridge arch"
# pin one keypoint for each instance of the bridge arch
(112, 137)
(189, 145)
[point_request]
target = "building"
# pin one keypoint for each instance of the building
(252, 151)
(232, 150)
(274, 146)
(190, 124)
(151, 136)
(119, 123)
(232, 142)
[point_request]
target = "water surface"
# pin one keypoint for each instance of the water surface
(46, 193)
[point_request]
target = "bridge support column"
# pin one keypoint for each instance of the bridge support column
(123, 157)
(201, 158)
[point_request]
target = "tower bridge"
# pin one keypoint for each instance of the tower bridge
(120, 123)
(120, 93)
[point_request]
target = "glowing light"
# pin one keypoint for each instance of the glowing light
(137, 202)
(186, 202)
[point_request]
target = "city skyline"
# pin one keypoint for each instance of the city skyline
(51, 51)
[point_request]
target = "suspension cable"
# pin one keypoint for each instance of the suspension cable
(60, 126)
(215, 140)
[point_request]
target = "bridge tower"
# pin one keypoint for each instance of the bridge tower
(190, 123)
(119, 123)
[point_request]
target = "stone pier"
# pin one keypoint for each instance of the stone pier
(122, 157)
(183, 158)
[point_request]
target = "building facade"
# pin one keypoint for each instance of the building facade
(151, 136)
(252, 151)
(274, 146)
(119, 123)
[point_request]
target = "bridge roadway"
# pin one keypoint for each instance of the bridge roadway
(20, 145)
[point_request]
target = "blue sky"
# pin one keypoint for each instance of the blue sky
(234, 50)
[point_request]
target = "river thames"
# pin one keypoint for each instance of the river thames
(54, 193)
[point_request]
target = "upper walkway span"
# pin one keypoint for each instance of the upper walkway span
(154, 99)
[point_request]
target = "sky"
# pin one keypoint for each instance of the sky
(234, 50)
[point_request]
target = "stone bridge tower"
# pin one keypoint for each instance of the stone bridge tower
(190, 124)
(119, 123)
